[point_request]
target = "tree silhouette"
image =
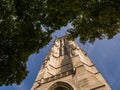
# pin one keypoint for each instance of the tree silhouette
(27, 25)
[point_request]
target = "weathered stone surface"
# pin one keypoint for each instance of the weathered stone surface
(67, 66)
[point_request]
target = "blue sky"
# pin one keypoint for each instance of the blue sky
(105, 54)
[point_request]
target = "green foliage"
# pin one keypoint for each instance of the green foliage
(98, 19)
(18, 39)
(27, 25)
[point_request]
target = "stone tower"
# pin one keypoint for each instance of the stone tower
(66, 67)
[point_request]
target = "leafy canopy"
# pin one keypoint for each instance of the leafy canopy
(27, 25)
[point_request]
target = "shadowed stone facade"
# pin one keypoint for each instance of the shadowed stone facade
(66, 67)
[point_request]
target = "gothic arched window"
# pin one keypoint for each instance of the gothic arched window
(61, 86)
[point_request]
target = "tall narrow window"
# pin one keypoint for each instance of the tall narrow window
(65, 47)
(60, 50)
(64, 42)
(61, 43)
(65, 50)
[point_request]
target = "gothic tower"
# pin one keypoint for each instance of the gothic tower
(66, 67)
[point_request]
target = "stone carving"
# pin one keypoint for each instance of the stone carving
(46, 60)
(74, 52)
(55, 51)
(73, 49)
(61, 75)
(72, 45)
(56, 44)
